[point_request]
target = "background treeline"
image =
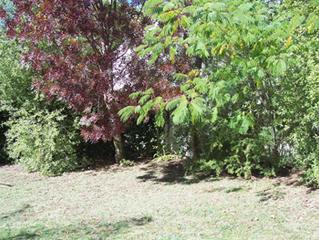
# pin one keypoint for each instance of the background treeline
(231, 85)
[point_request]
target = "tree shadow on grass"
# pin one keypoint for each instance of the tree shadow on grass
(6, 185)
(87, 230)
(216, 189)
(171, 173)
(270, 194)
(235, 189)
(230, 189)
(15, 213)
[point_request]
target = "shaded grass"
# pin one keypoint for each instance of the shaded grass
(270, 194)
(16, 212)
(88, 230)
(235, 189)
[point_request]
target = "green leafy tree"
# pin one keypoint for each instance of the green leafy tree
(236, 96)
(298, 99)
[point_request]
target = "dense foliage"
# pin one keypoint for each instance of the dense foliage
(301, 105)
(83, 51)
(232, 84)
(42, 136)
(253, 74)
(43, 141)
(83, 54)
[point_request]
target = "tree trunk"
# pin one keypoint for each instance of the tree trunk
(195, 144)
(119, 148)
(169, 134)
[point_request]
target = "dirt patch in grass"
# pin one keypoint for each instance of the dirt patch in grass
(152, 201)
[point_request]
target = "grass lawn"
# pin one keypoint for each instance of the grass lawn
(153, 201)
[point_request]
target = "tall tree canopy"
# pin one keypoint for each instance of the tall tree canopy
(238, 93)
(83, 54)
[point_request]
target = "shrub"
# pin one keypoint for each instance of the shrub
(42, 137)
(311, 175)
(206, 167)
(43, 141)
(126, 163)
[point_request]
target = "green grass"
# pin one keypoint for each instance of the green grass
(152, 202)
(82, 230)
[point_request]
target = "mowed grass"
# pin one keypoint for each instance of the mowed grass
(152, 201)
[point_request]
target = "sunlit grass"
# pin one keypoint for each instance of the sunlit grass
(122, 204)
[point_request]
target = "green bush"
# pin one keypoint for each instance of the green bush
(207, 167)
(311, 175)
(126, 163)
(43, 141)
(42, 137)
